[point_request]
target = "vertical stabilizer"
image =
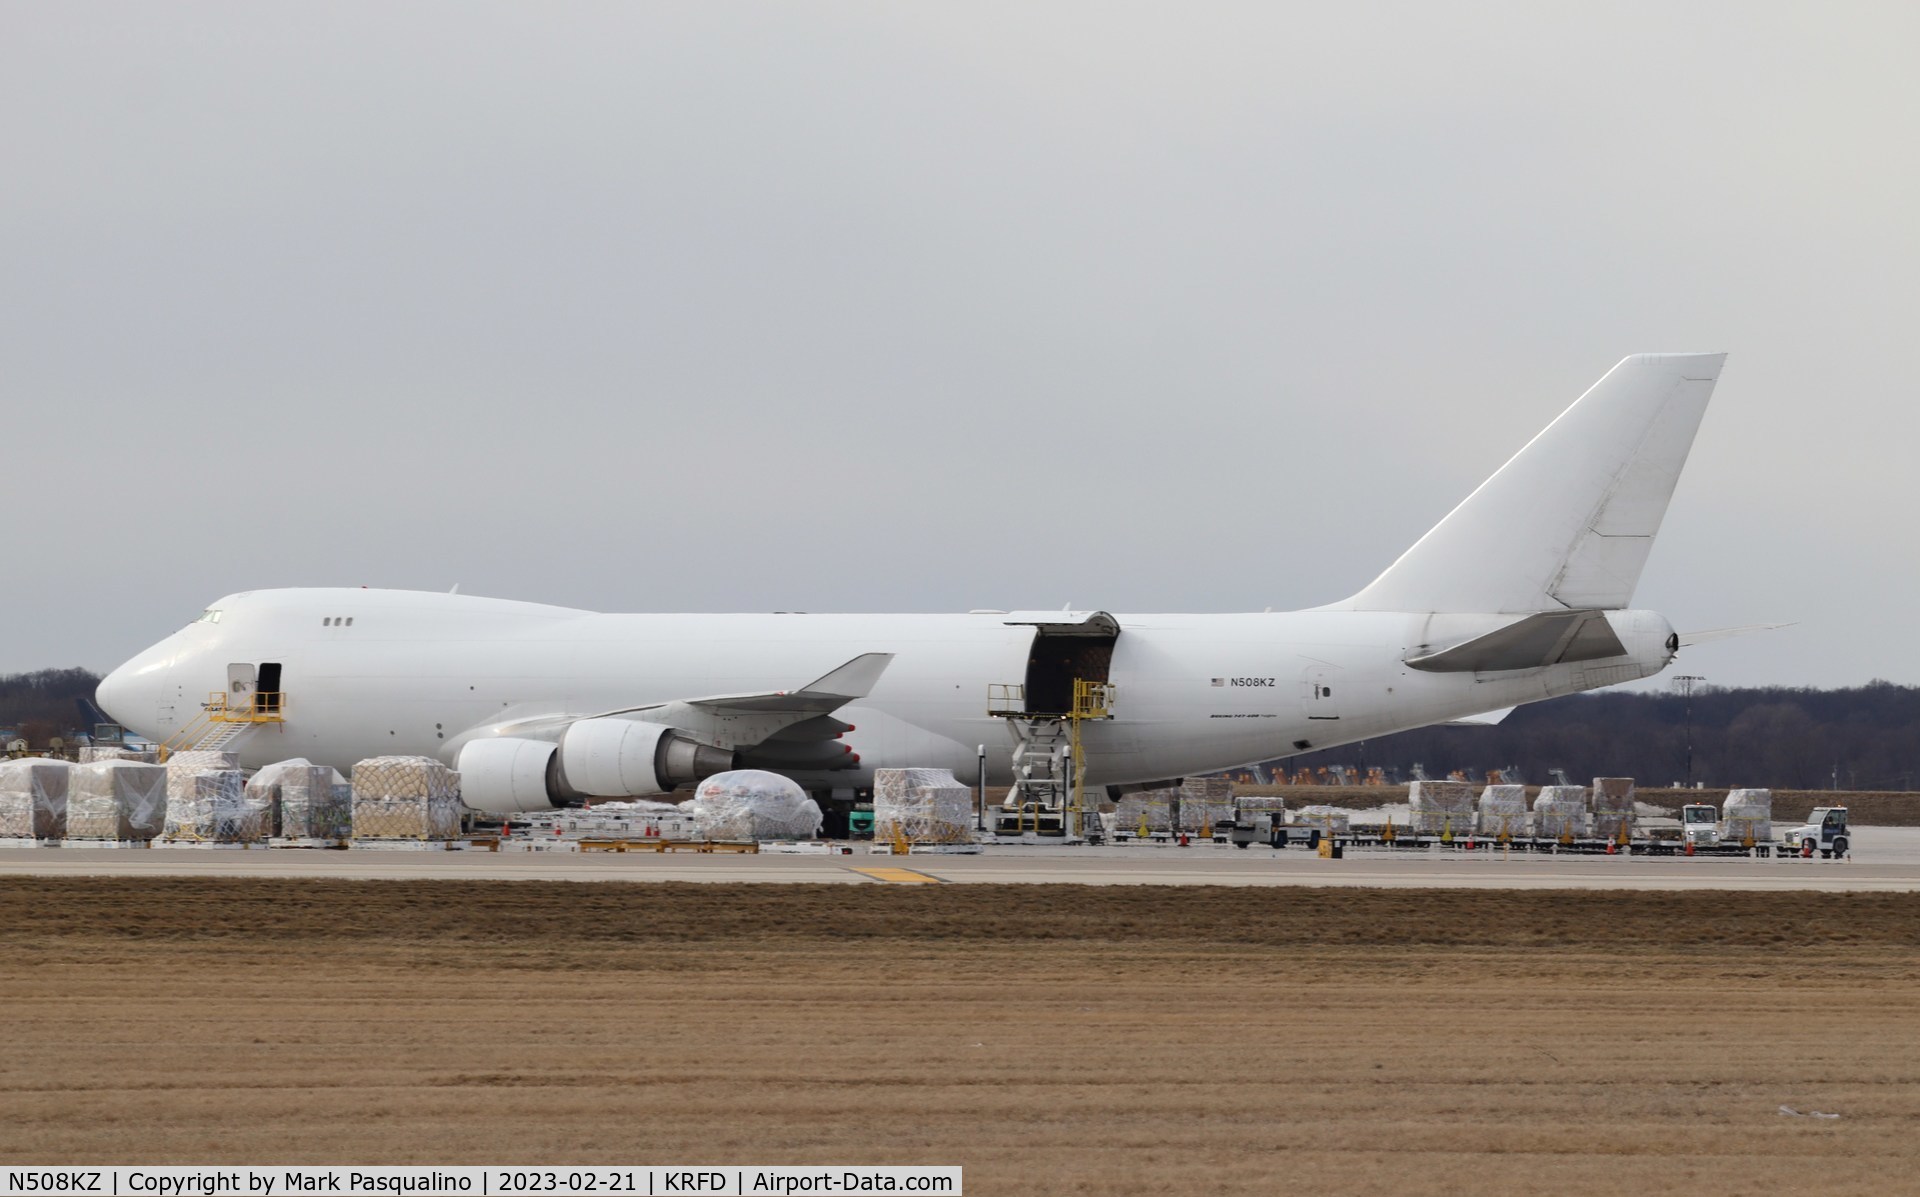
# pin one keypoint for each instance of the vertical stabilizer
(1568, 522)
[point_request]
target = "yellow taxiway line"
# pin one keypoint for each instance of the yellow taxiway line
(902, 875)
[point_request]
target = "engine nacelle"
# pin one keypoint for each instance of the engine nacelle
(624, 758)
(501, 775)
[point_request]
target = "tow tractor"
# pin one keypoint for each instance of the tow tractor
(1825, 833)
(1700, 825)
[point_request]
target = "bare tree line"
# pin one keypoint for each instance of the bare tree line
(1858, 738)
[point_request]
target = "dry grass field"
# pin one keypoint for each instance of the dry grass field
(1051, 1039)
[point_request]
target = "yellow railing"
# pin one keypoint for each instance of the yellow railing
(1091, 700)
(259, 707)
(262, 706)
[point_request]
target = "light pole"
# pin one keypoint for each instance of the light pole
(1686, 682)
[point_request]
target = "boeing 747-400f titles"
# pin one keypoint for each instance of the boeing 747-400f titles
(1521, 593)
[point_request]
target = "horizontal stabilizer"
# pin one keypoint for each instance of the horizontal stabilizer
(1707, 637)
(1550, 638)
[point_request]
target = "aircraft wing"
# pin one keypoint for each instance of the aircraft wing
(792, 717)
(792, 729)
(1485, 720)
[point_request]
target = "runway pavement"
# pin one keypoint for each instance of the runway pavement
(1885, 859)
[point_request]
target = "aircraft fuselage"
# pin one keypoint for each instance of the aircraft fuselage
(372, 672)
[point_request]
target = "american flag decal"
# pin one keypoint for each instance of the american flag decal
(1219, 681)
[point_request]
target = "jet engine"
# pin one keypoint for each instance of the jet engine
(623, 758)
(598, 758)
(501, 775)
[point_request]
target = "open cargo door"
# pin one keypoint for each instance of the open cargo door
(1066, 646)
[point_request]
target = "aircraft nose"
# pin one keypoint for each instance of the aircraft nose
(114, 694)
(131, 694)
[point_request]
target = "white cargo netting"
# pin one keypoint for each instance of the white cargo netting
(1747, 814)
(1503, 809)
(116, 800)
(921, 806)
(1259, 804)
(1331, 819)
(1441, 807)
(753, 804)
(117, 752)
(1560, 811)
(404, 798)
(33, 798)
(1612, 807)
(215, 807)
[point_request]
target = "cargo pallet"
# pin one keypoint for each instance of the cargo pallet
(408, 845)
(1310, 837)
(652, 844)
(221, 845)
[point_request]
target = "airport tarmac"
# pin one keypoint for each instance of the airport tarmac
(1884, 860)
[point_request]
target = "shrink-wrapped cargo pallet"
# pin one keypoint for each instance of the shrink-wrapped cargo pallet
(311, 802)
(1747, 814)
(1204, 801)
(1145, 808)
(752, 804)
(1613, 807)
(116, 800)
(1200, 802)
(33, 798)
(1330, 819)
(405, 798)
(922, 806)
(1503, 810)
(214, 806)
(1560, 812)
(1440, 807)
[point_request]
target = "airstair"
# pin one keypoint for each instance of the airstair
(222, 724)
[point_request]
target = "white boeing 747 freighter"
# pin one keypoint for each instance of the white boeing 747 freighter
(1520, 594)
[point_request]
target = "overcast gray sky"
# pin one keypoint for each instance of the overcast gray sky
(911, 307)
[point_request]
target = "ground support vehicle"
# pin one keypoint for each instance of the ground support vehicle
(1824, 833)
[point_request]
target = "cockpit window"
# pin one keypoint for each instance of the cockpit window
(210, 615)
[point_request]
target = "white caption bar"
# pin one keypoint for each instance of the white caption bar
(492, 1181)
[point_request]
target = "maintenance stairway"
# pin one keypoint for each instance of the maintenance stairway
(1047, 796)
(221, 724)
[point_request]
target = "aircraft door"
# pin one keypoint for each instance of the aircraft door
(1063, 653)
(267, 696)
(1324, 691)
(243, 683)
